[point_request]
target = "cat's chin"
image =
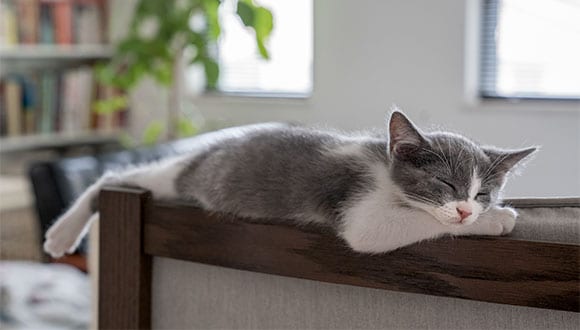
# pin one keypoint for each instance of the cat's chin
(443, 221)
(457, 223)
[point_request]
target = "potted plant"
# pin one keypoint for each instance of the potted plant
(161, 35)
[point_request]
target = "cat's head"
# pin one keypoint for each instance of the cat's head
(445, 174)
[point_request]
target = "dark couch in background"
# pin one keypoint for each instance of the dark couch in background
(56, 184)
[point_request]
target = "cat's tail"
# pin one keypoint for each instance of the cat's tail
(67, 232)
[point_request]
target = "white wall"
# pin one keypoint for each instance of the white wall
(371, 54)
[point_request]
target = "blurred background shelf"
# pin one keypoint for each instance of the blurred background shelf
(30, 58)
(55, 52)
(56, 141)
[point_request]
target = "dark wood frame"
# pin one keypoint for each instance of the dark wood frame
(493, 269)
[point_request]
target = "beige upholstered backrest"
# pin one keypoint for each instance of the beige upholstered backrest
(189, 295)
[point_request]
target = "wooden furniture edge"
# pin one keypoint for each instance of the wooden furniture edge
(124, 269)
(491, 269)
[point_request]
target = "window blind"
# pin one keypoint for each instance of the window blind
(530, 49)
(289, 69)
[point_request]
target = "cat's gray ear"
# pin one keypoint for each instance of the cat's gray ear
(404, 137)
(503, 161)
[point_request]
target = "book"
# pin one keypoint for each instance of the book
(53, 22)
(28, 21)
(63, 17)
(105, 122)
(88, 23)
(8, 23)
(86, 97)
(48, 111)
(29, 104)
(77, 95)
(13, 104)
(69, 95)
(56, 101)
(3, 128)
(46, 25)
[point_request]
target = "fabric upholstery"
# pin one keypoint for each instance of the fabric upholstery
(189, 295)
(554, 224)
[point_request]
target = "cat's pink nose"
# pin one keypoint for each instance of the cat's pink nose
(463, 212)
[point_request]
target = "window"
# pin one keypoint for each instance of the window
(289, 70)
(531, 49)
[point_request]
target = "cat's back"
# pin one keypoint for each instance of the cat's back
(275, 170)
(260, 150)
(286, 145)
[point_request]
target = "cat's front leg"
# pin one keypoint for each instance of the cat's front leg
(497, 221)
(379, 232)
(404, 226)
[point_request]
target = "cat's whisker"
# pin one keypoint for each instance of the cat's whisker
(496, 163)
(450, 158)
(423, 202)
(433, 153)
(446, 160)
(416, 195)
(458, 158)
(492, 177)
(421, 199)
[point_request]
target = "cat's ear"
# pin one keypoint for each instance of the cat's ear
(404, 137)
(503, 161)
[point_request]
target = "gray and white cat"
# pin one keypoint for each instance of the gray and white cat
(378, 194)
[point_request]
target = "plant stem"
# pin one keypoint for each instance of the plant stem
(175, 99)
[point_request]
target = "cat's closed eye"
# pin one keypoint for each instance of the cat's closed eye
(481, 195)
(447, 183)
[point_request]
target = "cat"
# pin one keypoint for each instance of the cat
(379, 193)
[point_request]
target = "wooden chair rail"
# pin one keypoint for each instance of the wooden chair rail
(492, 269)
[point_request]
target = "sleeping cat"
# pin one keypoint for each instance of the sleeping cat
(378, 194)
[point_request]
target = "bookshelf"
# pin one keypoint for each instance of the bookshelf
(57, 141)
(30, 58)
(47, 83)
(55, 52)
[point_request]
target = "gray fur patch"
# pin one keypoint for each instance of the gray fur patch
(281, 173)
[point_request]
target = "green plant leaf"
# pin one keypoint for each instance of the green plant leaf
(186, 128)
(264, 22)
(152, 133)
(263, 25)
(262, 49)
(127, 141)
(162, 72)
(212, 72)
(104, 74)
(213, 25)
(153, 56)
(246, 12)
(130, 44)
(111, 105)
(258, 18)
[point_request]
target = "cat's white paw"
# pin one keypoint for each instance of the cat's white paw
(56, 248)
(497, 221)
(507, 218)
(58, 241)
(501, 220)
